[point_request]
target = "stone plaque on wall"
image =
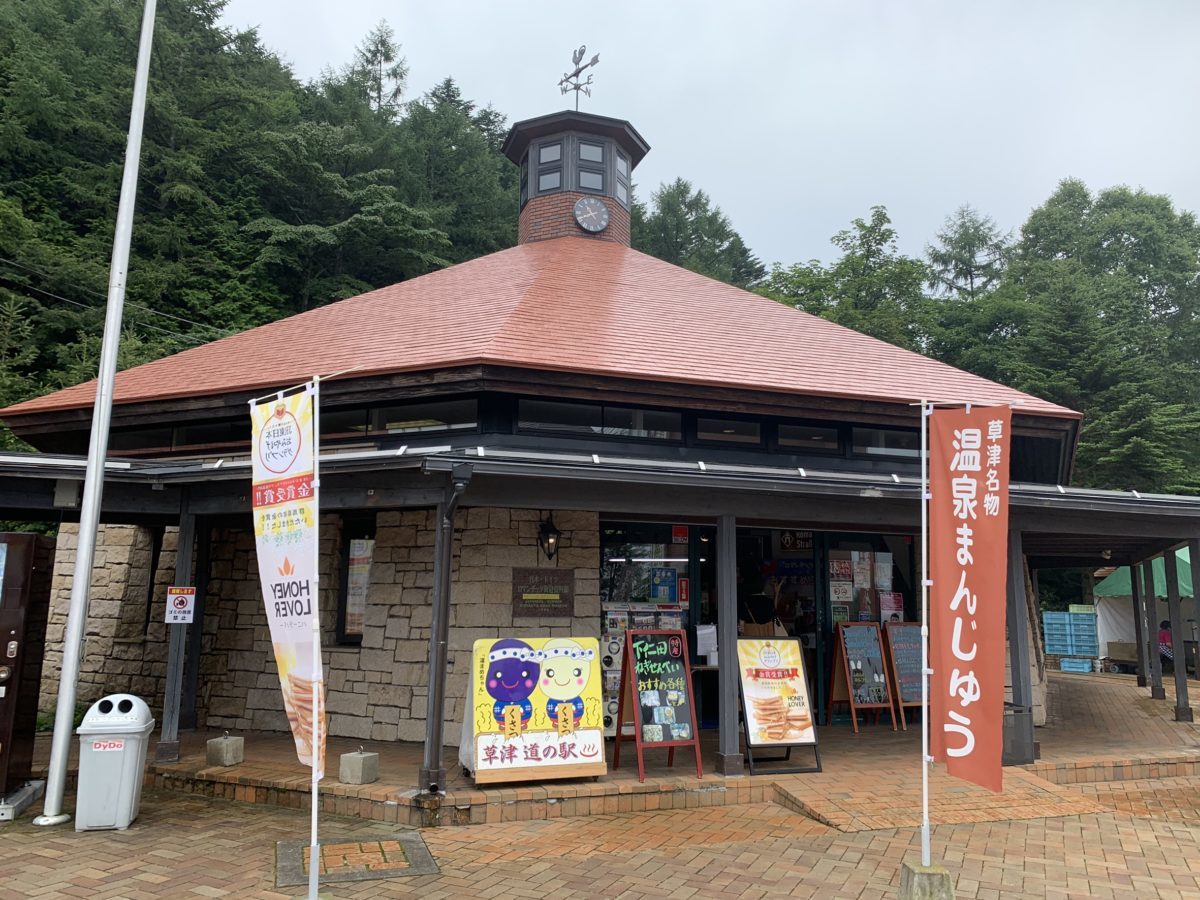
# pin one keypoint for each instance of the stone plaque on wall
(543, 593)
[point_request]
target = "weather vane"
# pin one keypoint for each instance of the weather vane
(571, 81)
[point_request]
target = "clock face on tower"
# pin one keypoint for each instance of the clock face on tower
(591, 213)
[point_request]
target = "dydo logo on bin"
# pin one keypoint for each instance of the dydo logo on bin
(102, 746)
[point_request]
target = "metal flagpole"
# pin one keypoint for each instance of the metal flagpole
(314, 855)
(925, 671)
(93, 484)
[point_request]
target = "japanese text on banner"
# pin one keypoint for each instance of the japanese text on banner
(968, 542)
(285, 533)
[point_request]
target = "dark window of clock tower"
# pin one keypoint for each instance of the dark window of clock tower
(591, 152)
(550, 167)
(622, 182)
(591, 167)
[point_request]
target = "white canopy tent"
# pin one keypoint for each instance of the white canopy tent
(1114, 605)
(1114, 621)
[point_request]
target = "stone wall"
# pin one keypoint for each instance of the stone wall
(122, 652)
(378, 690)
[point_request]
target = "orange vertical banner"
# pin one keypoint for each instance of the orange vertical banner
(968, 553)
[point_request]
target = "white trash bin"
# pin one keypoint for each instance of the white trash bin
(113, 737)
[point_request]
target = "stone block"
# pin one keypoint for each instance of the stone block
(474, 554)
(386, 715)
(358, 768)
(572, 557)
(418, 517)
(411, 730)
(269, 720)
(397, 627)
(386, 595)
(389, 695)
(465, 638)
(264, 698)
(509, 557)
(919, 882)
(483, 614)
(415, 651)
(577, 520)
(376, 660)
(351, 704)
(350, 726)
(383, 731)
(228, 750)
(376, 614)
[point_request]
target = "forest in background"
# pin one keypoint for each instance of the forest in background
(261, 196)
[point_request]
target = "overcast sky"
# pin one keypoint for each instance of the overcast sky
(797, 117)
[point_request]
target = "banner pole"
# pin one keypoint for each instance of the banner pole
(314, 855)
(925, 583)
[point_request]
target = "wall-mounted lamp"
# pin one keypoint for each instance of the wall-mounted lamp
(548, 537)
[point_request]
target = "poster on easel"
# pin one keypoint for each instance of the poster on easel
(902, 643)
(537, 709)
(776, 710)
(860, 674)
(656, 695)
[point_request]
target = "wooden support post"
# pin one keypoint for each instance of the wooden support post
(729, 755)
(1183, 711)
(1139, 624)
(1018, 742)
(167, 749)
(1153, 657)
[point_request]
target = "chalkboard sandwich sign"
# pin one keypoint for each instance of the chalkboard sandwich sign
(776, 710)
(903, 644)
(860, 674)
(656, 694)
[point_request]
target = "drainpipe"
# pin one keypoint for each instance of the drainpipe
(433, 770)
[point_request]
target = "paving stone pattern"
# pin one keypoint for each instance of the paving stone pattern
(186, 846)
(1112, 811)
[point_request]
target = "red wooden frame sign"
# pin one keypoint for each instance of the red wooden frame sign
(841, 690)
(630, 701)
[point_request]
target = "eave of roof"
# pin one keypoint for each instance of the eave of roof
(617, 468)
(527, 130)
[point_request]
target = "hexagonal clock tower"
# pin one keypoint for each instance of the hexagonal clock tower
(576, 175)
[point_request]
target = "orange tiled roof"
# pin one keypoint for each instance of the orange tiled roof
(569, 304)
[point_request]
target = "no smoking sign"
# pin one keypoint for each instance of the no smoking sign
(181, 603)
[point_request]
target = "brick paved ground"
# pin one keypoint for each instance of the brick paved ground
(1095, 824)
(188, 846)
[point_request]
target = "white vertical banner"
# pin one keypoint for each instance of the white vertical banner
(284, 453)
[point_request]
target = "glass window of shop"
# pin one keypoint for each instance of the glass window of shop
(652, 575)
(648, 570)
(809, 581)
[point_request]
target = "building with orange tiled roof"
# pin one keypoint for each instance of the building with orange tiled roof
(657, 447)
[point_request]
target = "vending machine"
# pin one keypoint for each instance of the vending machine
(26, 566)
